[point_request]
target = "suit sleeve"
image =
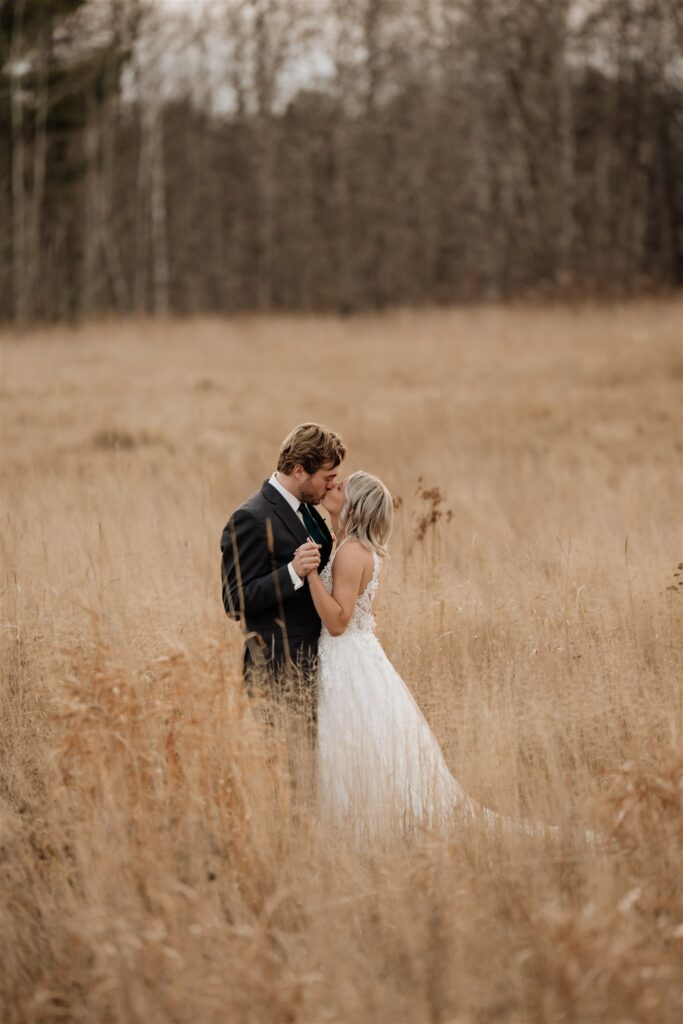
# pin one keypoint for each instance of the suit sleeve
(250, 585)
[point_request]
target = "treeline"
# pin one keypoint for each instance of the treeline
(335, 154)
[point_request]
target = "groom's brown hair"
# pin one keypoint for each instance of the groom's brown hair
(312, 446)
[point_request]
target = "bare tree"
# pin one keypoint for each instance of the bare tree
(20, 278)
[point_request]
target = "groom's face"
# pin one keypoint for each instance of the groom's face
(314, 486)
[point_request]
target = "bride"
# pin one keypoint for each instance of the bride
(379, 762)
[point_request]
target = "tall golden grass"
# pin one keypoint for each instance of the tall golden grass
(153, 867)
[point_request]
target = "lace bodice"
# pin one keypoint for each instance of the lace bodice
(362, 620)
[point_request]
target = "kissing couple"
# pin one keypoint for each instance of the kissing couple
(305, 595)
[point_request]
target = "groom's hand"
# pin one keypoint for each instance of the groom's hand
(306, 558)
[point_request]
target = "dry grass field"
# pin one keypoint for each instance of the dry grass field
(152, 869)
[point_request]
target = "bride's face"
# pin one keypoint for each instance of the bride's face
(334, 499)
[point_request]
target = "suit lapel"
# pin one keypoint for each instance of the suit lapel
(285, 513)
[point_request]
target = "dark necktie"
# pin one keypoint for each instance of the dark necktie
(314, 531)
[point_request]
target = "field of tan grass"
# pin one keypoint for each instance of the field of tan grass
(151, 867)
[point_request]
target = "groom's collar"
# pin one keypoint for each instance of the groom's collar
(290, 498)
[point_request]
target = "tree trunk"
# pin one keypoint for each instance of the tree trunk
(35, 220)
(19, 273)
(160, 271)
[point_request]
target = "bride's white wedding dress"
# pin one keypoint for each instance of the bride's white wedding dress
(380, 765)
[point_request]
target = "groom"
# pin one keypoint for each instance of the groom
(269, 546)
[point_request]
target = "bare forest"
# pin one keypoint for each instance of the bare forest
(324, 155)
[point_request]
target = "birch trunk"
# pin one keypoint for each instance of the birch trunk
(19, 275)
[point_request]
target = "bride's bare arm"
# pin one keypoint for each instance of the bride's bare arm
(336, 609)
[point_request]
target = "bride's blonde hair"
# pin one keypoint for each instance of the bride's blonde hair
(368, 511)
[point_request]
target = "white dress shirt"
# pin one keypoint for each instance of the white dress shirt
(292, 500)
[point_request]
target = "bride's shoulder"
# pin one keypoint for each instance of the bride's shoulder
(351, 553)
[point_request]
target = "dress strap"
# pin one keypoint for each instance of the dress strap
(375, 570)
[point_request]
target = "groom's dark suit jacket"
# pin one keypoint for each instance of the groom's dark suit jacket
(257, 544)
